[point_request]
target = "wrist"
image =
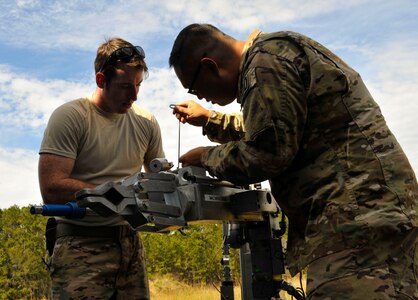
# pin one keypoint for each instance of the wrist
(211, 115)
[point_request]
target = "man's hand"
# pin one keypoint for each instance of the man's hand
(192, 158)
(192, 113)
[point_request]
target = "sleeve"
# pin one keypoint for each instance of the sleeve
(222, 128)
(274, 111)
(63, 133)
(155, 146)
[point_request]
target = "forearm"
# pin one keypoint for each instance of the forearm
(245, 162)
(222, 128)
(63, 191)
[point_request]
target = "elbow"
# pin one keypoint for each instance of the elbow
(53, 195)
(48, 196)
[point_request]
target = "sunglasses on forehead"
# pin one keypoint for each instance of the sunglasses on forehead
(124, 54)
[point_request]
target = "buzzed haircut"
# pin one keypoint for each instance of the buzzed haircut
(194, 40)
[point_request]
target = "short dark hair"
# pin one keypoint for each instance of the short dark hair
(107, 48)
(194, 40)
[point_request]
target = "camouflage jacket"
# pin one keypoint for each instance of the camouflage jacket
(222, 128)
(314, 131)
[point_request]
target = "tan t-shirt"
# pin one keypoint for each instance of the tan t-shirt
(105, 146)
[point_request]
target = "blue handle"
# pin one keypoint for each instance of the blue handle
(70, 210)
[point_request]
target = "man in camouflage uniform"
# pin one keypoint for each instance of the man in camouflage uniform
(87, 142)
(313, 130)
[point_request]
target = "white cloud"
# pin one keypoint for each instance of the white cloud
(81, 24)
(395, 87)
(26, 3)
(18, 178)
(27, 101)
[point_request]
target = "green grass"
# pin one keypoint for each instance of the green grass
(166, 287)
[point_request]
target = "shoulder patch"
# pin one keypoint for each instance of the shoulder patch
(248, 82)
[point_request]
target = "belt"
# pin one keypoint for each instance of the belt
(109, 232)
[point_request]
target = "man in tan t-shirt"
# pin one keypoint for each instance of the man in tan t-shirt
(87, 142)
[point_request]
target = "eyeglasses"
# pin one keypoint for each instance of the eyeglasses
(196, 74)
(124, 54)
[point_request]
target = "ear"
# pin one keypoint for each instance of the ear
(211, 64)
(100, 79)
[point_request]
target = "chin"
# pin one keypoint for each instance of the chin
(122, 111)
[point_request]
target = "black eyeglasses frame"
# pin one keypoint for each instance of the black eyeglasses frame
(196, 74)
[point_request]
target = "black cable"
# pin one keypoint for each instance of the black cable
(291, 290)
(301, 285)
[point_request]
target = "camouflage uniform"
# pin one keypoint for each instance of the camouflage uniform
(99, 268)
(336, 170)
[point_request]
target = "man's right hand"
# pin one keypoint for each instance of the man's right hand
(192, 113)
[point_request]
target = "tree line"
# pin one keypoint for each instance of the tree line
(191, 255)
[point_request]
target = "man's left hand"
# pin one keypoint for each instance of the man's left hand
(192, 157)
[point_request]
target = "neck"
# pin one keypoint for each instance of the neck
(97, 98)
(239, 47)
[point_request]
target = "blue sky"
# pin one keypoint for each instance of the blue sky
(47, 50)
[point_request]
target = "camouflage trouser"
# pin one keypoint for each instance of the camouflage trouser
(360, 274)
(99, 268)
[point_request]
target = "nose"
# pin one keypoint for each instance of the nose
(134, 95)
